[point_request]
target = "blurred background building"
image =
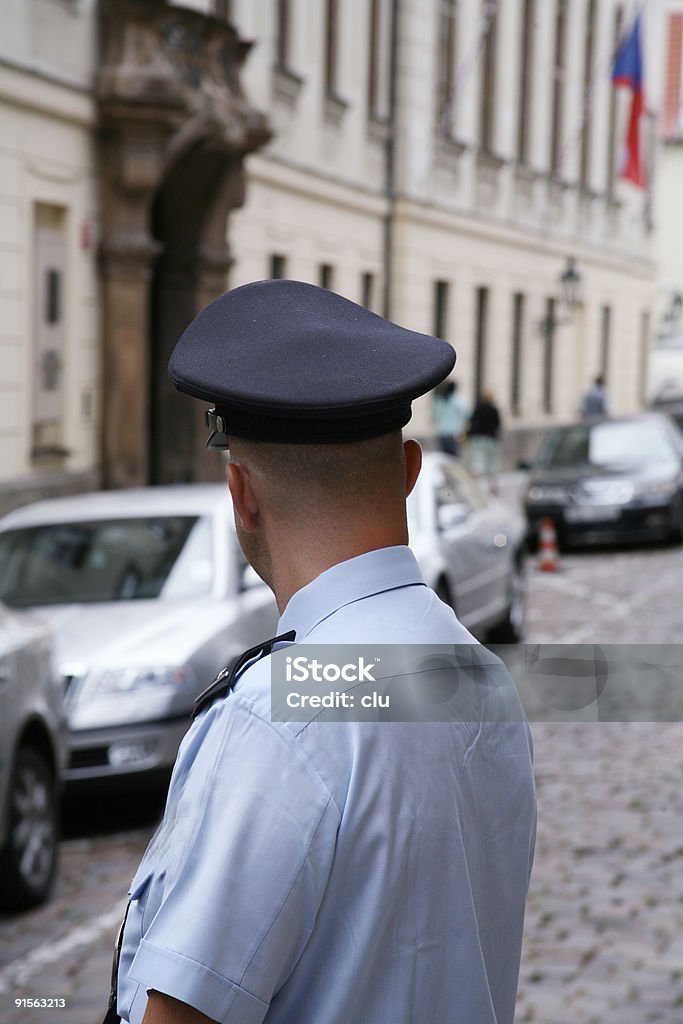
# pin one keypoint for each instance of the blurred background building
(453, 164)
(666, 371)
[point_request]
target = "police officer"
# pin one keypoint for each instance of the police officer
(318, 872)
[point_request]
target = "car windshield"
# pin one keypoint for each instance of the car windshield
(109, 560)
(608, 444)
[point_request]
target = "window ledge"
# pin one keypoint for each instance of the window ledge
(560, 184)
(50, 451)
(485, 158)
(334, 108)
(450, 146)
(527, 173)
(287, 84)
(379, 127)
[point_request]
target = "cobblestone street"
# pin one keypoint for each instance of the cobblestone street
(604, 929)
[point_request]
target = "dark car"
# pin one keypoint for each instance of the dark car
(609, 480)
(670, 402)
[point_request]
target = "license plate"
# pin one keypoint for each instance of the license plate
(592, 514)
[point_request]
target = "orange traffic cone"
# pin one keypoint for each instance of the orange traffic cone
(548, 560)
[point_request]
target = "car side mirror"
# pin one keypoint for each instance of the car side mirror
(453, 514)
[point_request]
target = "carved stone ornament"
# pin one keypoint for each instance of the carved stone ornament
(174, 127)
(178, 70)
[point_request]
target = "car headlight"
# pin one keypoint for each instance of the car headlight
(110, 681)
(546, 493)
(659, 489)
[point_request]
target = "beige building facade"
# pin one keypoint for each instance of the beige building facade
(666, 372)
(504, 166)
(440, 161)
(49, 323)
(123, 127)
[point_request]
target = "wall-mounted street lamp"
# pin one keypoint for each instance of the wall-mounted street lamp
(670, 322)
(568, 300)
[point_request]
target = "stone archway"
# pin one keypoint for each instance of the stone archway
(174, 129)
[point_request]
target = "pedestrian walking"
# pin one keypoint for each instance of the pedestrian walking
(595, 403)
(484, 438)
(323, 871)
(450, 414)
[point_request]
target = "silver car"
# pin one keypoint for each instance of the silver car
(471, 548)
(32, 748)
(149, 597)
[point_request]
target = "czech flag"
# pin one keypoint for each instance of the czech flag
(628, 71)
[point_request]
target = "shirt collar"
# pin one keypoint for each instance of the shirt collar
(342, 584)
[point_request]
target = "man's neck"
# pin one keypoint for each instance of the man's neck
(298, 565)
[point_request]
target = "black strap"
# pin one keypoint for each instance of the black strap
(111, 1016)
(227, 677)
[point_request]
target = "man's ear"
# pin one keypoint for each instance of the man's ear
(413, 456)
(243, 498)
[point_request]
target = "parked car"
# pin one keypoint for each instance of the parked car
(609, 480)
(670, 401)
(471, 549)
(150, 596)
(32, 749)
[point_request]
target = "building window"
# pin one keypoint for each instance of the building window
(440, 318)
(516, 354)
(381, 13)
(278, 266)
(548, 355)
(482, 300)
(612, 125)
(326, 276)
(588, 62)
(49, 269)
(223, 9)
(367, 290)
(557, 126)
(446, 43)
(331, 43)
(605, 334)
(487, 109)
(526, 82)
(672, 113)
(644, 356)
(283, 34)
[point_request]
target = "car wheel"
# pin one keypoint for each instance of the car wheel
(29, 859)
(510, 629)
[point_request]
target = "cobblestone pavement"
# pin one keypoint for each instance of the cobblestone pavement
(64, 949)
(604, 930)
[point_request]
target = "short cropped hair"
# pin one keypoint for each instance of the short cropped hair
(324, 478)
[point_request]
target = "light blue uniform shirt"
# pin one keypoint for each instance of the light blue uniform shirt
(337, 872)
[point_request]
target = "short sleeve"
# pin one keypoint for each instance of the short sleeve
(238, 908)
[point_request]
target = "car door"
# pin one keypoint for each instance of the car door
(470, 538)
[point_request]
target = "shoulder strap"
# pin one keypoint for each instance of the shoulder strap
(227, 677)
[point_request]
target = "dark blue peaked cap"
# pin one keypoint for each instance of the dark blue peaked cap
(289, 362)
